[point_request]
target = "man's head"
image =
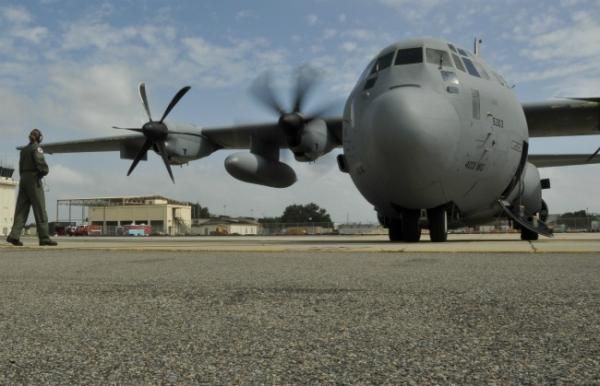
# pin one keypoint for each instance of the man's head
(35, 136)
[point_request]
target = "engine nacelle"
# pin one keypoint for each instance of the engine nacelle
(530, 190)
(315, 141)
(256, 169)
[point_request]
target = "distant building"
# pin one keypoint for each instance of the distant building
(8, 199)
(113, 214)
(361, 229)
(224, 226)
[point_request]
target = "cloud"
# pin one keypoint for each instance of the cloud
(91, 98)
(225, 65)
(244, 14)
(312, 19)
(16, 15)
(575, 41)
(412, 10)
(66, 177)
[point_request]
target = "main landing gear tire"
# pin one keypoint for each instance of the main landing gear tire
(395, 230)
(438, 224)
(410, 225)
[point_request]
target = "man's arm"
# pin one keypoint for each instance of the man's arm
(40, 162)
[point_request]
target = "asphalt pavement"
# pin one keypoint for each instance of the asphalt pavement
(199, 317)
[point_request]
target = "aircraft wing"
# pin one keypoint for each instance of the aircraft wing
(226, 137)
(576, 116)
(551, 160)
(96, 144)
(240, 137)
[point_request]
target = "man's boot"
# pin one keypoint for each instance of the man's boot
(15, 242)
(48, 242)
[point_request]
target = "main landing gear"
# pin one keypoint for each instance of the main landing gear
(407, 228)
(438, 224)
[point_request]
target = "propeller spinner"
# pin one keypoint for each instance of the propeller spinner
(156, 132)
(291, 120)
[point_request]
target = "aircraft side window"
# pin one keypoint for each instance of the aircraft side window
(370, 83)
(470, 67)
(383, 62)
(439, 57)
(458, 63)
(450, 77)
(409, 56)
(366, 71)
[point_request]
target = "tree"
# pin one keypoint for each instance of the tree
(309, 213)
(198, 211)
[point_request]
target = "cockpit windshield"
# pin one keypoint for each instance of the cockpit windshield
(383, 62)
(439, 57)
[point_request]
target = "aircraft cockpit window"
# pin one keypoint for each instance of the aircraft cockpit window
(458, 63)
(471, 67)
(462, 52)
(366, 71)
(409, 56)
(383, 62)
(439, 57)
(452, 48)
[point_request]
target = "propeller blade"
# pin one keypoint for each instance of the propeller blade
(323, 111)
(174, 101)
(144, 149)
(592, 156)
(142, 89)
(262, 90)
(162, 150)
(129, 128)
(306, 80)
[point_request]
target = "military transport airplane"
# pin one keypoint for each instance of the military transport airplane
(428, 129)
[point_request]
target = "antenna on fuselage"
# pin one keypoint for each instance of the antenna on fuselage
(477, 46)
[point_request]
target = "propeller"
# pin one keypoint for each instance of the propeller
(156, 132)
(291, 119)
(590, 158)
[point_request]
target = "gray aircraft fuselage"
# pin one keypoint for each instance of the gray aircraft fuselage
(421, 134)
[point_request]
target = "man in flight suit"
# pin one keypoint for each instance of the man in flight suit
(32, 168)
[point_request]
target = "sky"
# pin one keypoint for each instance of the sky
(71, 68)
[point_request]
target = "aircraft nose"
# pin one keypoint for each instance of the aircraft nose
(416, 132)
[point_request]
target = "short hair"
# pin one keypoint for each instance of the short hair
(35, 135)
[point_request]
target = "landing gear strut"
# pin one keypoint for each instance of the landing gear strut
(438, 224)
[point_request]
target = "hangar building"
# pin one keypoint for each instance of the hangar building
(8, 199)
(164, 215)
(225, 226)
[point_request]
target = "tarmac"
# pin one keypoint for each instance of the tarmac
(480, 309)
(457, 243)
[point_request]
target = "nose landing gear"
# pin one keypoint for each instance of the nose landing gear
(407, 228)
(438, 224)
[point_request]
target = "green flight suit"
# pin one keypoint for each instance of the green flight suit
(32, 168)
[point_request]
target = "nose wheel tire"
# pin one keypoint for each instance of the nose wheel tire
(438, 224)
(410, 225)
(395, 230)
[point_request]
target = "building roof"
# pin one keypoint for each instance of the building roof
(123, 201)
(6, 172)
(227, 221)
